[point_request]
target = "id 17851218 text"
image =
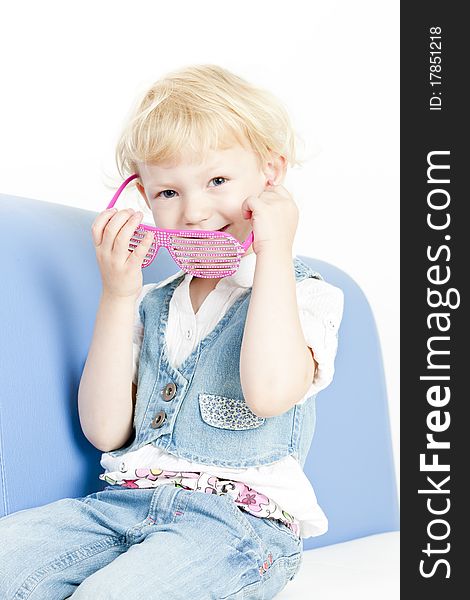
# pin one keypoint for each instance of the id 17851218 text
(435, 68)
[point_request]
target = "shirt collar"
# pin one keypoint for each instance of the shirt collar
(243, 277)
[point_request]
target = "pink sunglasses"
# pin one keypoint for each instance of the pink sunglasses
(210, 254)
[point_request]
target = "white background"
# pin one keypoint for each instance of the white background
(71, 72)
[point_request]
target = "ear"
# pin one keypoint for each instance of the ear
(141, 189)
(275, 168)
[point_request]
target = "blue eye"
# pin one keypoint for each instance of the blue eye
(163, 193)
(219, 179)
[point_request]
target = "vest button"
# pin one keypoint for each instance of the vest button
(168, 392)
(158, 420)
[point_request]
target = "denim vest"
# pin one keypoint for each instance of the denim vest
(197, 412)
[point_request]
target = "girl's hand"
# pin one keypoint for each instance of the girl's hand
(274, 217)
(121, 270)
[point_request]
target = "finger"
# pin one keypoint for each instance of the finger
(100, 223)
(282, 191)
(114, 226)
(247, 214)
(121, 242)
(143, 247)
(248, 206)
(278, 191)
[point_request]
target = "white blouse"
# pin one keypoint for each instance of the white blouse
(320, 310)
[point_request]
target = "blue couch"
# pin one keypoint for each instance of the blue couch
(51, 288)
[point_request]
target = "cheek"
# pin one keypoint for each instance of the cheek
(233, 206)
(255, 185)
(163, 216)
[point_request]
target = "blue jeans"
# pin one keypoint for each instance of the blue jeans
(160, 543)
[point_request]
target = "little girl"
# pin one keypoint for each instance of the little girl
(199, 391)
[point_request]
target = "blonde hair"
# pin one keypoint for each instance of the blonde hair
(199, 108)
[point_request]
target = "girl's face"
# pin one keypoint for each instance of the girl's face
(209, 195)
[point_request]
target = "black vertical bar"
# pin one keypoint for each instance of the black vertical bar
(434, 289)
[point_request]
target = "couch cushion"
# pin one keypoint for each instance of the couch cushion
(363, 569)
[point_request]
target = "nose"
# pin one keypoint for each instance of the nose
(197, 209)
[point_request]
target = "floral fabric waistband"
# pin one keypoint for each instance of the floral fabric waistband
(245, 497)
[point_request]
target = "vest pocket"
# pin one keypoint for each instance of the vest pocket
(227, 413)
